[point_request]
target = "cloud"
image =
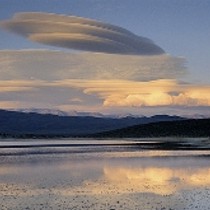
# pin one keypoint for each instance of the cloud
(106, 96)
(46, 78)
(76, 100)
(43, 94)
(9, 104)
(139, 94)
(80, 33)
(19, 85)
(54, 65)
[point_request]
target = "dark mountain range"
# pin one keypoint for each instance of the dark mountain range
(13, 123)
(180, 128)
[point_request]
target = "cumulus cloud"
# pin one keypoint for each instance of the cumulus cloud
(139, 94)
(80, 34)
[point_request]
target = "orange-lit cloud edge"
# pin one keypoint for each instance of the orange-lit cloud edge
(124, 93)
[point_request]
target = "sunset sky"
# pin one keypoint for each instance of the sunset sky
(141, 57)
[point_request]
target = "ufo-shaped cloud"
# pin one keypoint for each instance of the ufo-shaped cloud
(79, 34)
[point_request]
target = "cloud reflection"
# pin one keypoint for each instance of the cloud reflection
(157, 180)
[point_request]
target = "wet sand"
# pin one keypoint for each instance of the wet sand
(26, 197)
(104, 179)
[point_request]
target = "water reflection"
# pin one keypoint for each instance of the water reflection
(161, 181)
(111, 180)
(129, 176)
(156, 180)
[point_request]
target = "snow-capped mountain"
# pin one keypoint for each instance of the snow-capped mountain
(74, 113)
(94, 114)
(45, 111)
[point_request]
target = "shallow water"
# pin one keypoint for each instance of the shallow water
(104, 176)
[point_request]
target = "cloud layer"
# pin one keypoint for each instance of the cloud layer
(80, 34)
(54, 65)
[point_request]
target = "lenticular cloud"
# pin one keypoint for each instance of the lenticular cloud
(80, 34)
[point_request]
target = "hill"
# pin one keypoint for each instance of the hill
(19, 124)
(180, 128)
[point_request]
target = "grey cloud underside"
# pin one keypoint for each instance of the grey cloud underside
(57, 65)
(79, 34)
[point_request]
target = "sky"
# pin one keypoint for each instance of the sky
(140, 57)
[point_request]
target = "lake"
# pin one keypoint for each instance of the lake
(102, 174)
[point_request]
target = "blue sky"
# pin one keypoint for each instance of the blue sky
(180, 27)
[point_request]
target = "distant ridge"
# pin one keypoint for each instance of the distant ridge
(74, 113)
(13, 123)
(42, 111)
(179, 128)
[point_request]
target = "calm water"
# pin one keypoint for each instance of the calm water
(91, 174)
